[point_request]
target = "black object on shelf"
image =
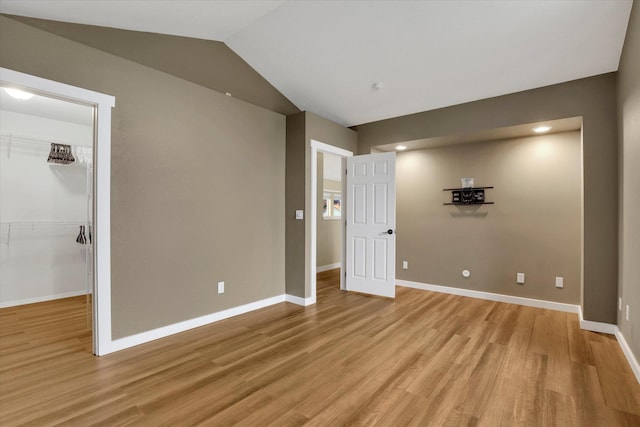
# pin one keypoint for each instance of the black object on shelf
(467, 196)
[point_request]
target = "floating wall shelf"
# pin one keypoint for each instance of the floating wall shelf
(467, 196)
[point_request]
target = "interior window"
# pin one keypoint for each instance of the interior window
(331, 204)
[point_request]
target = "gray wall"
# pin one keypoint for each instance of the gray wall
(205, 62)
(593, 99)
(301, 129)
(629, 116)
(533, 227)
(296, 255)
(197, 184)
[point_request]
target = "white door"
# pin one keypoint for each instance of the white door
(371, 223)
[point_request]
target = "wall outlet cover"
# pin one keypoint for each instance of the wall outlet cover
(221, 287)
(520, 278)
(559, 282)
(405, 265)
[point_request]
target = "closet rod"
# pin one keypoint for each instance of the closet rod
(9, 138)
(42, 223)
(7, 227)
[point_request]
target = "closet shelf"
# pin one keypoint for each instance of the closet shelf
(9, 138)
(7, 228)
(37, 224)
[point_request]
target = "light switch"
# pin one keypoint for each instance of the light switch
(299, 214)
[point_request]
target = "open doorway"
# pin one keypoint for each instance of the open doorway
(329, 232)
(92, 190)
(46, 213)
(335, 205)
(329, 224)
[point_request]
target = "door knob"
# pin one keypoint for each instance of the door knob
(389, 231)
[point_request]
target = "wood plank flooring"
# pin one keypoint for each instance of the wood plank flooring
(424, 359)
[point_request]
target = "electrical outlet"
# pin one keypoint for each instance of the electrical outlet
(405, 265)
(559, 282)
(520, 278)
(620, 304)
(221, 287)
(627, 313)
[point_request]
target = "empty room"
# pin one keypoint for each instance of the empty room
(325, 213)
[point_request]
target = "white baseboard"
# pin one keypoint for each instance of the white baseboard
(530, 302)
(42, 299)
(633, 362)
(327, 267)
(604, 328)
(165, 331)
(300, 301)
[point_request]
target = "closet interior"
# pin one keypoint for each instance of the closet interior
(46, 199)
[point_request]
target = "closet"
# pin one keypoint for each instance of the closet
(46, 182)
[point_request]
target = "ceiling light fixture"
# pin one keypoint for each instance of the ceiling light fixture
(18, 94)
(401, 147)
(542, 129)
(377, 85)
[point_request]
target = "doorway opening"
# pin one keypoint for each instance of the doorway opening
(335, 205)
(46, 214)
(85, 183)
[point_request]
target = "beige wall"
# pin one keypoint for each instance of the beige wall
(593, 99)
(329, 243)
(197, 184)
(629, 119)
(208, 63)
(533, 227)
(296, 252)
(301, 129)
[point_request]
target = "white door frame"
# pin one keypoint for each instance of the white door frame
(102, 343)
(317, 146)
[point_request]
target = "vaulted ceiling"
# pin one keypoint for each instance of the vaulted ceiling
(359, 61)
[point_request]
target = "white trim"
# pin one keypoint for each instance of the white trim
(313, 220)
(589, 325)
(328, 267)
(529, 302)
(15, 303)
(633, 362)
(102, 195)
(299, 301)
(326, 148)
(165, 331)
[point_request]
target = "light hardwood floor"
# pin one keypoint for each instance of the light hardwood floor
(423, 359)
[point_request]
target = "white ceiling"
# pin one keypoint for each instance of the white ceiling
(50, 108)
(325, 55)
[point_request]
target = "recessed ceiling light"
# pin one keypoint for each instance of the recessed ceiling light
(377, 85)
(401, 147)
(542, 129)
(18, 94)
